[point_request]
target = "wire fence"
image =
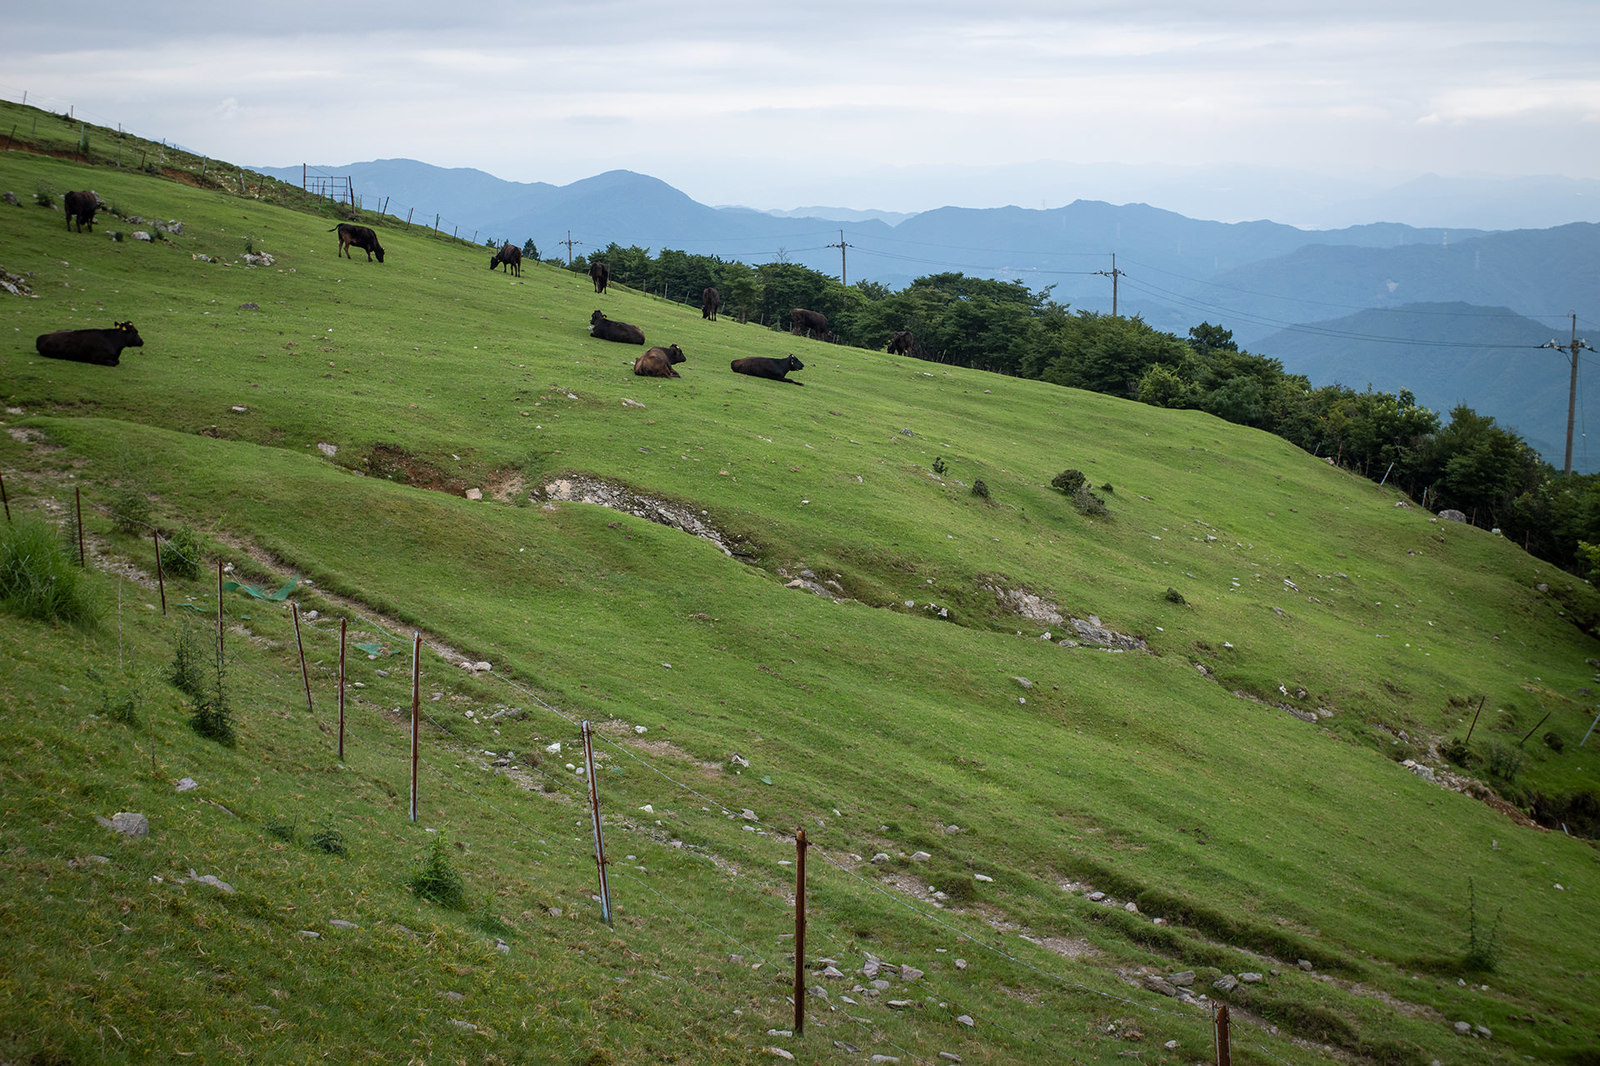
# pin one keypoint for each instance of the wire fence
(758, 895)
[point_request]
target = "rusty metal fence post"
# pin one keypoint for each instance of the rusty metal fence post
(594, 810)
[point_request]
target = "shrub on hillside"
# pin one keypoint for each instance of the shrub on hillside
(40, 579)
(438, 881)
(130, 512)
(1503, 761)
(1068, 481)
(180, 553)
(980, 489)
(1088, 503)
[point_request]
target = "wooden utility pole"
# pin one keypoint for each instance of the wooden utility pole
(1574, 347)
(569, 242)
(842, 245)
(1113, 274)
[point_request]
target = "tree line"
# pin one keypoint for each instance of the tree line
(1466, 462)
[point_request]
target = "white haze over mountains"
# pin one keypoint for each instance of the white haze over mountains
(1220, 109)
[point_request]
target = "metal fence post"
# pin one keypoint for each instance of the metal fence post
(594, 808)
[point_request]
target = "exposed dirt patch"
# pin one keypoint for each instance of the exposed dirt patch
(394, 463)
(504, 485)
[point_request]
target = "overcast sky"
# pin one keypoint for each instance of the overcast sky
(855, 103)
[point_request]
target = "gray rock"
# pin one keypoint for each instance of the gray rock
(11, 198)
(909, 973)
(1483, 1031)
(1305, 964)
(130, 824)
(902, 1004)
(212, 880)
(185, 785)
(966, 1020)
(881, 858)
(884, 1058)
(1251, 978)
(1096, 897)
(920, 856)
(340, 923)
(949, 1056)
(1452, 515)
(779, 1053)
(833, 972)
(1183, 979)
(961, 964)
(1463, 1028)
(1226, 983)
(738, 760)
(453, 997)
(141, 235)
(1160, 984)
(1131, 907)
(1024, 682)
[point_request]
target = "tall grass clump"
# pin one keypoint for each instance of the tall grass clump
(180, 553)
(196, 671)
(39, 579)
(438, 881)
(1482, 953)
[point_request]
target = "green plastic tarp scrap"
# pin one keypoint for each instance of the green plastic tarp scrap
(260, 593)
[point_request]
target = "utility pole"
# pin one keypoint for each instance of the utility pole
(569, 242)
(841, 246)
(1113, 274)
(1574, 347)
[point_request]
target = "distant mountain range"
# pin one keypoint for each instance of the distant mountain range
(1260, 279)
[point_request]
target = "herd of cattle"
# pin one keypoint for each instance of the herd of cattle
(103, 347)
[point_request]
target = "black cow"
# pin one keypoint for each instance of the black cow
(658, 362)
(760, 366)
(803, 323)
(710, 299)
(511, 256)
(102, 347)
(600, 274)
(360, 236)
(81, 207)
(901, 343)
(607, 330)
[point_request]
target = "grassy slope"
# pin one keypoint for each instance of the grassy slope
(1247, 828)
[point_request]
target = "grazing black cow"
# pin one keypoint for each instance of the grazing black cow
(607, 330)
(600, 274)
(901, 343)
(803, 323)
(710, 299)
(511, 256)
(102, 347)
(658, 362)
(81, 207)
(360, 236)
(760, 366)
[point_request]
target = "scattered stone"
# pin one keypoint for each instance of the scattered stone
(1183, 979)
(453, 996)
(902, 1004)
(949, 1056)
(474, 494)
(920, 856)
(884, 1058)
(1226, 983)
(1463, 1028)
(141, 235)
(909, 973)
(310, 934)
(1483, 1032)
(780, 1032)
(211, 879)
(340, 923)
(961, 964)
(1305, 964)
(846, 1047)
(1131, 907)
(966, 1020)
(1452, 515)
(778, 1053)
(1160, 984)
(1251, 978)
(330, 450)
(881, 858)
(129, 824)
(748, 815)
(501, 946)
(983, 877)
(1024, 682)
(459, 1024)
(833, 973)
(738, 760)
(1096, 897)
(185, 784)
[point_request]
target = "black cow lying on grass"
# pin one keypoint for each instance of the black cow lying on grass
(658, 363)
(511, 256)
(81, 207)
(607, 330)
(102, 347)
(760, 366)
(360, 236)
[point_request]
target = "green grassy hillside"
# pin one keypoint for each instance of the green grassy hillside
(1234, 787)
